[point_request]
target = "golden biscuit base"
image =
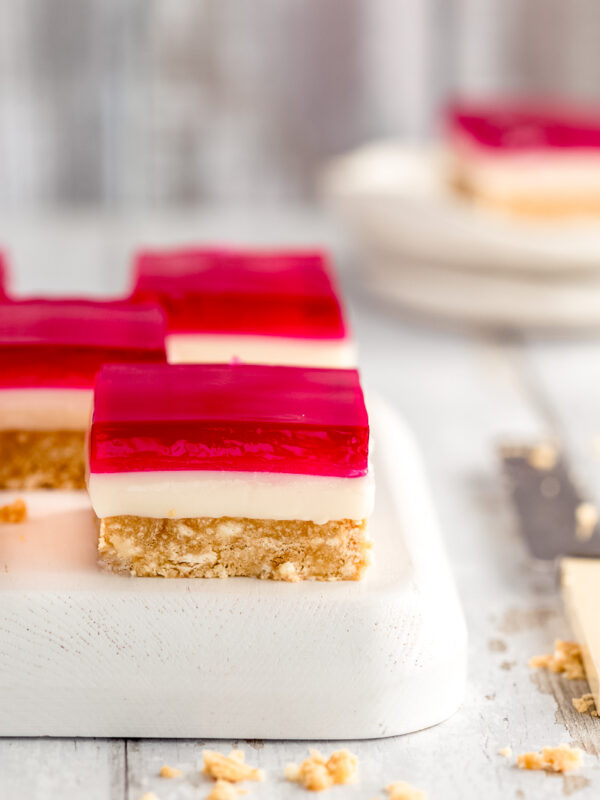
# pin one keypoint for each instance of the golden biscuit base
(221, 547)
(42, 459)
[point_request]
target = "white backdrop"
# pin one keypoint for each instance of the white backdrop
(124, 103)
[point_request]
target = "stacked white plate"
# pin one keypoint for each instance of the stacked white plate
(425, 247)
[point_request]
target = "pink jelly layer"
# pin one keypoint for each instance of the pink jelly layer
(235, 417)
(3, 277)
(46, 343)
(276, 293)
(516, 128)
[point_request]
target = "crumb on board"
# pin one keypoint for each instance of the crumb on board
(400, 790)
(169, 772)
(584, 704)
(317, 773)
(586, 519)
(506, 752)
(567, 658)
(224, 790)
(14, 512)
(563, 758)
(149, 796)
(543, 456)
(229, 768)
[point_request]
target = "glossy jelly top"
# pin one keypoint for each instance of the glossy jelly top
(236, 417)
(517, 128)
(272, 293)
(48, 343)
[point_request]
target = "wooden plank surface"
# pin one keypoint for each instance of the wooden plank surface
(461, 393)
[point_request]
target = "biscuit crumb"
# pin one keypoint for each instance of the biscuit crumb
(586, 519)
(224, 790)
(584, 704)
(317, 773)
(543, 456)
(506, 752)
(287, 572)
(552, 759)
(149, 796)
(566, 658)
(14, 512)
(169, 772)
(229, 768)
(400, 790)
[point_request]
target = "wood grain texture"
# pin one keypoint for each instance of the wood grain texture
(461, 393)
(157, 102)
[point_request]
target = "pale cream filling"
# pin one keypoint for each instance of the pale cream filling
(195, 348)
(45, 409)
(257, 495)
(528, 173)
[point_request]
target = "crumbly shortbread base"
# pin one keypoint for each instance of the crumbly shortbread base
(196, 348)
(221, 547)
(42, 459)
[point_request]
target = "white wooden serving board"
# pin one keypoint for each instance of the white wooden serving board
(88, 654)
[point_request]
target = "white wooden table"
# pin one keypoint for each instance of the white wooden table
(461, 393)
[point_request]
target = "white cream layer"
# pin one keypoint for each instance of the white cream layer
(506, 174)
(192, 348)
(257, 495)
(45, 409)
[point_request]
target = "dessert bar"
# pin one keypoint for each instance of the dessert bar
(231, 470)
(50, 352)
(277, 307)
(532, 160)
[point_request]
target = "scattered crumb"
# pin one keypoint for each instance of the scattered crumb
(14, 512)
(552, 759)
(543, 456)
(229, 768)
(586, 519)
(287, 572)
(566, 658)
(149, 796)
(584, 704)
(169, 772)
(506, 752)
(400, 790)
(317, 773)
(223, 790)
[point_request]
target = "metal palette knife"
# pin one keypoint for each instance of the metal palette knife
(559, 526)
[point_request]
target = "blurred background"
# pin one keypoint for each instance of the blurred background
(145, 104)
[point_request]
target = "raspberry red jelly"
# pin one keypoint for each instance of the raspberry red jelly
(272, 293)
(516, 128)
(46, 343)
(235, 417)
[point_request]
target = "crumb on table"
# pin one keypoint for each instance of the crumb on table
(567, 658)
(149, 796)
(317, 773)
(14, 512)
(563, 758)
(229, 768)
(400, 790)
(169, 772)
(505, 751)
(584, 704)
(543, 456)
(586, 519)
(224, 790)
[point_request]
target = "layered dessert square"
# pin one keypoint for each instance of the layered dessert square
(262, 307)
(526, 159)
(231, 470)
(50, 352)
